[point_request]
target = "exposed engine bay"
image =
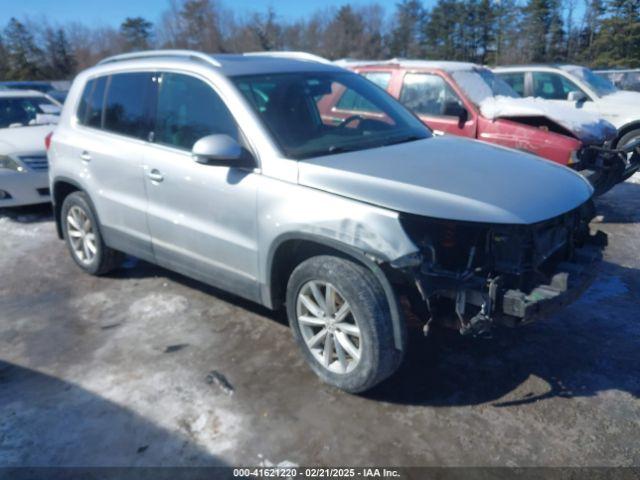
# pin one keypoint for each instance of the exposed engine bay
(472, 276)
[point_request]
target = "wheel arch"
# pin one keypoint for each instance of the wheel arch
(622, 131)
(62, 187)
(289, 250)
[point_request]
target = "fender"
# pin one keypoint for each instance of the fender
(368, 260)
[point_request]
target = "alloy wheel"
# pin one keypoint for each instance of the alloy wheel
(328, 326)
(81, 235)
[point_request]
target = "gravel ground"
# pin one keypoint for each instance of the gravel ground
(117, 371)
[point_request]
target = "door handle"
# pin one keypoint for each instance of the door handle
(85, 156)
(155, 175)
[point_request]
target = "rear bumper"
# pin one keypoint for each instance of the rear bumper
(23, 188)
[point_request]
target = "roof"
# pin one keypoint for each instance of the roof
(251, 63)
(533, 65)
(409, 63)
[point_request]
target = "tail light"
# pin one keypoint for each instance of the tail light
(47, 140)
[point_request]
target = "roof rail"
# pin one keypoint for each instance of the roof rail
(309, 57)
(161, 53)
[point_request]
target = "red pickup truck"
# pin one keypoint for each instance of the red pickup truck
(468, 100)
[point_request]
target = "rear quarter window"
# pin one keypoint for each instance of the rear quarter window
(381, 79)
(92, 102)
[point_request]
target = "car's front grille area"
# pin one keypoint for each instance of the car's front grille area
(36, 162)
(517, 249)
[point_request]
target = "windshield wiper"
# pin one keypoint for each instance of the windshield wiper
(408, 138)
(340, 149)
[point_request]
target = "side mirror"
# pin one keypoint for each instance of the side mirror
(454, 109)
(218, 149)
(576, 96)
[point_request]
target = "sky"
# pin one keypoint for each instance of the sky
(112, 12)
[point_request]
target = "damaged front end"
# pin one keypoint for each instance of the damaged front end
(472, 276)
(605, 167)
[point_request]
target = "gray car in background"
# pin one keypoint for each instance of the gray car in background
(233, 170)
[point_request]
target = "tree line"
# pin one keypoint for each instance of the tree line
(597, 33)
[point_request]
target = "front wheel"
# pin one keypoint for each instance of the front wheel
(628, 138)
(340, 319)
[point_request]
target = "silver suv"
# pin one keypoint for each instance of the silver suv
(242, 171)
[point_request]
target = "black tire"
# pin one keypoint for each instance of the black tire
(358, 286)
(626, 138)
(105, 259)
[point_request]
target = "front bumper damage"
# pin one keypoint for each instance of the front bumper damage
(474, 277)
(605, 167)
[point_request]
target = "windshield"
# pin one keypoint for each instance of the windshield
(480, 84)
(23, 111)
(315, 114)
(602, 86)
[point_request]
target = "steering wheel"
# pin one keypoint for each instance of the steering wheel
(350, 119)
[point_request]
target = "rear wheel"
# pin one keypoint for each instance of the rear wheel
(340, 319)
(82, 235)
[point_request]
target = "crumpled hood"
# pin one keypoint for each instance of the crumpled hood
(451, 178)
(23, 139)
(587, 126)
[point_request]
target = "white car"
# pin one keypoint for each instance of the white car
(26, 118)
(581, 88)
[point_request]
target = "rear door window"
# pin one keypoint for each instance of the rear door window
(189, 109)
(427, 94)
(129, 104)
(515, 81)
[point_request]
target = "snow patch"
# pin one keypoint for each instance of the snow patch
(587, 125)
(406, 63)
(15, 227)
(635, 178)
(158, 305)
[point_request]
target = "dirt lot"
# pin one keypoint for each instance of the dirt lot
(113, 371)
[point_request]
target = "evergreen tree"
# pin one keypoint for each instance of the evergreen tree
(595, 10)
(136, 33)
(61, 62)
(617, 44)
(406, 38)
(199, 27)
(344, 34)
(23, 57)
(4, 66)
(543, 27)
